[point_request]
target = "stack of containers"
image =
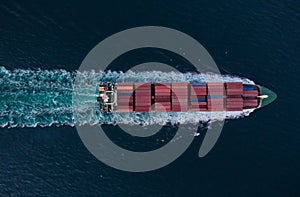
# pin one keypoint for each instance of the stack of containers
(162, 97)
(197, 97)
(234, 100)
(250, 94)
(125, 97)
(180, 97)
(215, 96)
(142, 97)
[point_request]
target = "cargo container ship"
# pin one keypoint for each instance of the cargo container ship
(182, 97)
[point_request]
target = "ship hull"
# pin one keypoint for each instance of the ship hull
(178, 97)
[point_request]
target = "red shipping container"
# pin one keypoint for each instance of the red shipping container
(237, 99)
(238, 92)
(215, 100)
(181, 94)
(142, 90)
(162, 87)
(142, 104)
(216, 109)
(147, 95)
(143, 94)
(163, 84)
(182, 106)
(215, 105)
(182, 101)
(165, 102)
(234, 101)
(162, 99)
(143, 100)
(215, 92)
(234, 84)
(251, 103)
(234, 89)
(179, 103)
(162, 90)
(250, 93)
(137, 102)
(180, 91)
(234, 105)
(180, 88)
(163, 94)
(215, 89)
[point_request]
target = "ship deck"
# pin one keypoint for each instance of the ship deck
(180, 97)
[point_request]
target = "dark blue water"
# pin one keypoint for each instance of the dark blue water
(255, 156)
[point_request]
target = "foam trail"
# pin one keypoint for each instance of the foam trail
(30, 98)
